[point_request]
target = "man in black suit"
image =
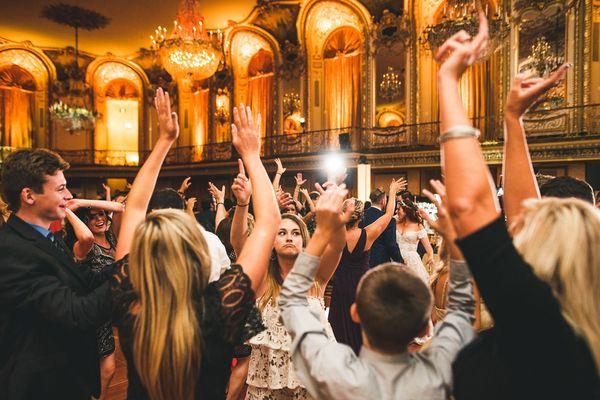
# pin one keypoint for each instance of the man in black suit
(49, 307)
(385, 248)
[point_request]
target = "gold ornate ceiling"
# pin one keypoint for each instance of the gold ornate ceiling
(132, 21)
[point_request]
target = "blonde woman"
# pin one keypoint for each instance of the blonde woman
(177, 330)
(543, 285)
(270, 372)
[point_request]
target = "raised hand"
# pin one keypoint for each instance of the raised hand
(168, 123)
(241, 188)
(397, 185)
(245, 132)
(280, 169)
(284, 200)
(219, 195)
(525, 91)
(305, 193)
(443, 223)
(190, 204)
(460, 51)
(298, 178)
(329, 214)
(185, 185)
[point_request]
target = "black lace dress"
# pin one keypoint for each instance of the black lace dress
(98, 259)
(229, 318)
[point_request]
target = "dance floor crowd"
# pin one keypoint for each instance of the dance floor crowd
(229, 303)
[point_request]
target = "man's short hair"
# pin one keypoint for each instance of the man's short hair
(376, 196)
(394, 306)
(28, 168)
(166, 198)
(566, 187)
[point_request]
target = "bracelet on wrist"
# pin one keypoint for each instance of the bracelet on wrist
(279, 173)
(243, 205)
(459, 131)
(220, 203)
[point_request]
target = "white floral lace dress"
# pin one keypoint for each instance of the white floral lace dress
(271, 374)
(408, 243)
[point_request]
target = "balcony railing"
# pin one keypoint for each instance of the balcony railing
(555, 123)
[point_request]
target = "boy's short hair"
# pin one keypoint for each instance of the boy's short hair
(166, 198)
(28, 168)
(394, 306)
(567, 186)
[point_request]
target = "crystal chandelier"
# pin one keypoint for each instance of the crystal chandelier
(462, 15)
(390, 86)
(543, 58)
(189, 50)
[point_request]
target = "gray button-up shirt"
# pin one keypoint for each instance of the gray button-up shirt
(332, 370)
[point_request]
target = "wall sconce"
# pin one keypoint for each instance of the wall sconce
(222, 110)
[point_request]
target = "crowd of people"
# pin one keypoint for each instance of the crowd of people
(229, 303)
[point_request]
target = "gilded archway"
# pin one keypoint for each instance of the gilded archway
(317, 20)
(31, 62)
(118, 87)
(254, 56)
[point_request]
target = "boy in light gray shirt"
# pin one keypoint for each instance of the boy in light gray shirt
(393, 306)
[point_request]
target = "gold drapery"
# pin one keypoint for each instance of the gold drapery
(16, 116)
(260, 89)
(342, 53)
(200, 107)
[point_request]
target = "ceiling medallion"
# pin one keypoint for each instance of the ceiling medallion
(460, 15)
(189, 51)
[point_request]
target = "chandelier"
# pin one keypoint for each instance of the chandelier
(390, 86)
(463, 15)
(189, 50)
(71, 118)
(543, 58)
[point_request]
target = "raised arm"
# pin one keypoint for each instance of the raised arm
(471, 198)
(278, 174)
(85, 237)
(299, 183)
(378, 226)
(190, 203)
(185, 185)
(145, 180)
(519, 179)
(219, 196)
(254, 257)
(109, 206)
(107, 192)
(242, 190)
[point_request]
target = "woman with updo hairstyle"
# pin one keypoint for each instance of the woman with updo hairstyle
(353, 265)
(409, 231)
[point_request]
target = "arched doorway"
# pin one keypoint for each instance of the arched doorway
(334, 34)
(342, 55)
(118, 99)
(26, 75)
(17, 88)
(253, 73)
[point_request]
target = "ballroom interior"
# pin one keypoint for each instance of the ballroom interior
(351, 78)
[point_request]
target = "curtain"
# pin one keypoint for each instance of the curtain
(200, 107)
(342, 67)
(260, 98)
(260, 89)
(16, 117)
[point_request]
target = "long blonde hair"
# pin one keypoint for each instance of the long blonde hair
(169, 268)
(560, 239)
(274, 277)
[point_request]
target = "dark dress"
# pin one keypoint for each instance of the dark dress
(98, 259)
(229, 318)
(351, 268)
(532, 352)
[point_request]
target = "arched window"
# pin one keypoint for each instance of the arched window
(17, 88)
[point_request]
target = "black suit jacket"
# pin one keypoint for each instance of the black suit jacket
(49, 311)
(385, 248)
